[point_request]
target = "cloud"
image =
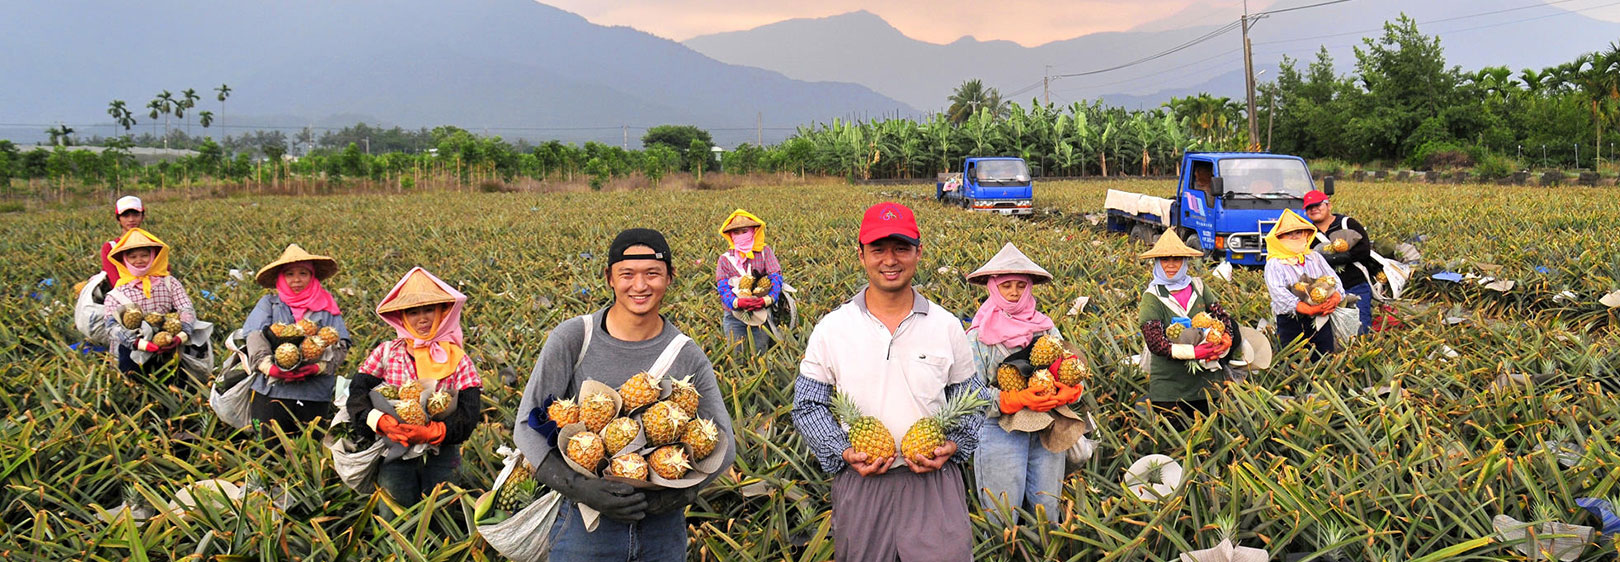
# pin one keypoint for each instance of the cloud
(1027, 22)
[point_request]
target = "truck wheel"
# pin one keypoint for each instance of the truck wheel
(1192, 242)
(1143, 234)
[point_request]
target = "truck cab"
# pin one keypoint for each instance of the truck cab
(1000, 185)
(1228, 201)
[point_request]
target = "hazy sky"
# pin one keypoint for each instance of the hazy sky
(1027, 22)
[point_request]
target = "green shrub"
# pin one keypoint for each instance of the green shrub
(1493, 167)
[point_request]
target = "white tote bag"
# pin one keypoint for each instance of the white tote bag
(526, 535)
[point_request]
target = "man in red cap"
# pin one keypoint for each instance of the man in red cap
(1354, 264)
(130, 213)
(898, 357)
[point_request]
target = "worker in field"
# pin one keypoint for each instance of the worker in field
(887, 359)
(131, 214)
(1347, 247)
(1020, 462)
(87, 314)
(144, 343)
(603, 519)
(294, 396)
(749, 280)
(1188, 337)
(1289, 263)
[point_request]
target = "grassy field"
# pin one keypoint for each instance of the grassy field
(1303, 458)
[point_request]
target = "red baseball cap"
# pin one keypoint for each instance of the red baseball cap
(1314, 197)
(889, 219)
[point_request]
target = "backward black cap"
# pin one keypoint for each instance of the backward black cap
(640, 237)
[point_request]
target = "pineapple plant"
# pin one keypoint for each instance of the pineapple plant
(307, 328)
(866, 433)
(563, 412)
(684, 394)
(597, 411)
(519, 488)
(1071, 371)
(1045, 350)
(629, 465)
(663, 422)
(586, 449)
(670, 462)
(928, 433)
(620, 432)
(131, 319)
(642, 389)
(701, 436)
(437, 403)
(288, 356)
(1042, 382)
(1010, 379)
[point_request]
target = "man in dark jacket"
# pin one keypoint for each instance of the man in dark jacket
(1353, 262)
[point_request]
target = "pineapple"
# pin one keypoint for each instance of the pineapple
(162, 339)
(686, 396)
(1213, 335)
(410, 411)
(154, 319)
(866, 433)
(670, 462)
(307, 328)
(328, 335)
(701, 436)
(586, 449)
(620, 432)
(287, 356)
(762, 287)
(563, 412)
(1010, 379)
(311, 348)
(929, 433)
(518, 489)
(746, 283)
(1203, 320)
(1042, 382)
(596, 412)
(628, 465)
(1174, 331)
(437, 403)
(1339, 245)
(131, 319)
(1045, 350)
(1381, 277)
(663, 422)
(388, 391)
(641, 390)
(284, 330)
(411, 391)
(1071, 371)
(173, 325)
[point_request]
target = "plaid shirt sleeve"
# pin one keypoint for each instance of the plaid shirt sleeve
(966, 433)
(465, 376)
(179, 300)
(812, 414)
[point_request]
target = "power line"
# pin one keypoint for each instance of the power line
(1443, 20)
(1178, 48)
(1269, 12)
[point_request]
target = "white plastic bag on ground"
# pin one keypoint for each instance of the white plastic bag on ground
(1397, 274)
(526, 535)
(89, 314)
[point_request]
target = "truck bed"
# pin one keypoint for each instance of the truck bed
(1141, 207)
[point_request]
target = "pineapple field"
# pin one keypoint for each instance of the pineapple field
(1485, 406)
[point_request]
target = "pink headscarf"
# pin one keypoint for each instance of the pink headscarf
(314, 296)
(448, 328)
(1012, 324)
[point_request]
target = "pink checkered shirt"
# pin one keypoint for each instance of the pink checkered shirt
(168, 295)
(393, 363)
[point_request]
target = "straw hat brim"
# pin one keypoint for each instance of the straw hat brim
(1256, 348)
(1170, 246)
(740, 222)
(136, 241)
(419, 290)
(1009, 261)
(325, 267)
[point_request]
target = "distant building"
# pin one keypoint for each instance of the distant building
(143, 155)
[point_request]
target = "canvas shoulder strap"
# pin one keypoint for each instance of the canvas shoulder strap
(589, 320)
(665, 360)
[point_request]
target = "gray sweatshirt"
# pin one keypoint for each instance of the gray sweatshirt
(612, 361)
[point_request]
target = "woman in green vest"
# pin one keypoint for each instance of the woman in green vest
(1188, 336)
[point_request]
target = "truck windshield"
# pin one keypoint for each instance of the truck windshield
(1263, 177)
(1001, 171)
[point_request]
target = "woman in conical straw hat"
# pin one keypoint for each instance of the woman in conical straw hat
(1178, 314)
(427, 355)
(144, 284)
(1011, 467)
(739, 272)
(289, 397)
(1288, 259)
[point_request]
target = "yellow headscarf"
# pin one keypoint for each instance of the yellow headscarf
(138, 238)
(1289, 222)
(759, 232)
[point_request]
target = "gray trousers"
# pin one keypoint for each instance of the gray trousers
(901, 515)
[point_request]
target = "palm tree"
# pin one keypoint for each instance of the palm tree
(1598, 81)
(223, 91)
(166, 105)
(206, 118)
(60, 135)
(1534, 82)
(121, 115)
(188, 100)
(972, 96)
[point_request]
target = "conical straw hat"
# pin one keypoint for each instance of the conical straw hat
(418, 290)
(1009, 261)
(324, 266)
(136, 238)
(1170, 246)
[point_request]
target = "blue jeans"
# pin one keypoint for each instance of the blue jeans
(1363, 292)
(738, 332)
(1016, 470)
(660, 537)
(407, 480)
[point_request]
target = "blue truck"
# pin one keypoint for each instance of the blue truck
(1225, 204)
(999, 185)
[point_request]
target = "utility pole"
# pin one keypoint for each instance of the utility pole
(759, 129)
(1248, 78)
(1046, 85)
(626, 143)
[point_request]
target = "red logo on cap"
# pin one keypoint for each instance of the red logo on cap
(889, 215)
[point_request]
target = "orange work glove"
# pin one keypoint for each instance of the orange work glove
(390, 427)
(432, 433)
(1069, 394)
(1012, 402)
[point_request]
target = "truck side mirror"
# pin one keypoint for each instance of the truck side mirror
(1327, 185)
(1217, 186)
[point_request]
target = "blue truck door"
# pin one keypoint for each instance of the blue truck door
(1196, 213)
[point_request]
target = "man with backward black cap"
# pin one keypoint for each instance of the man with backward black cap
(625, 338)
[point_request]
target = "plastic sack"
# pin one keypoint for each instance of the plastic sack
(232, 390)
(526, 535)
(1346, 324)
(89, 314)
(357, 467)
